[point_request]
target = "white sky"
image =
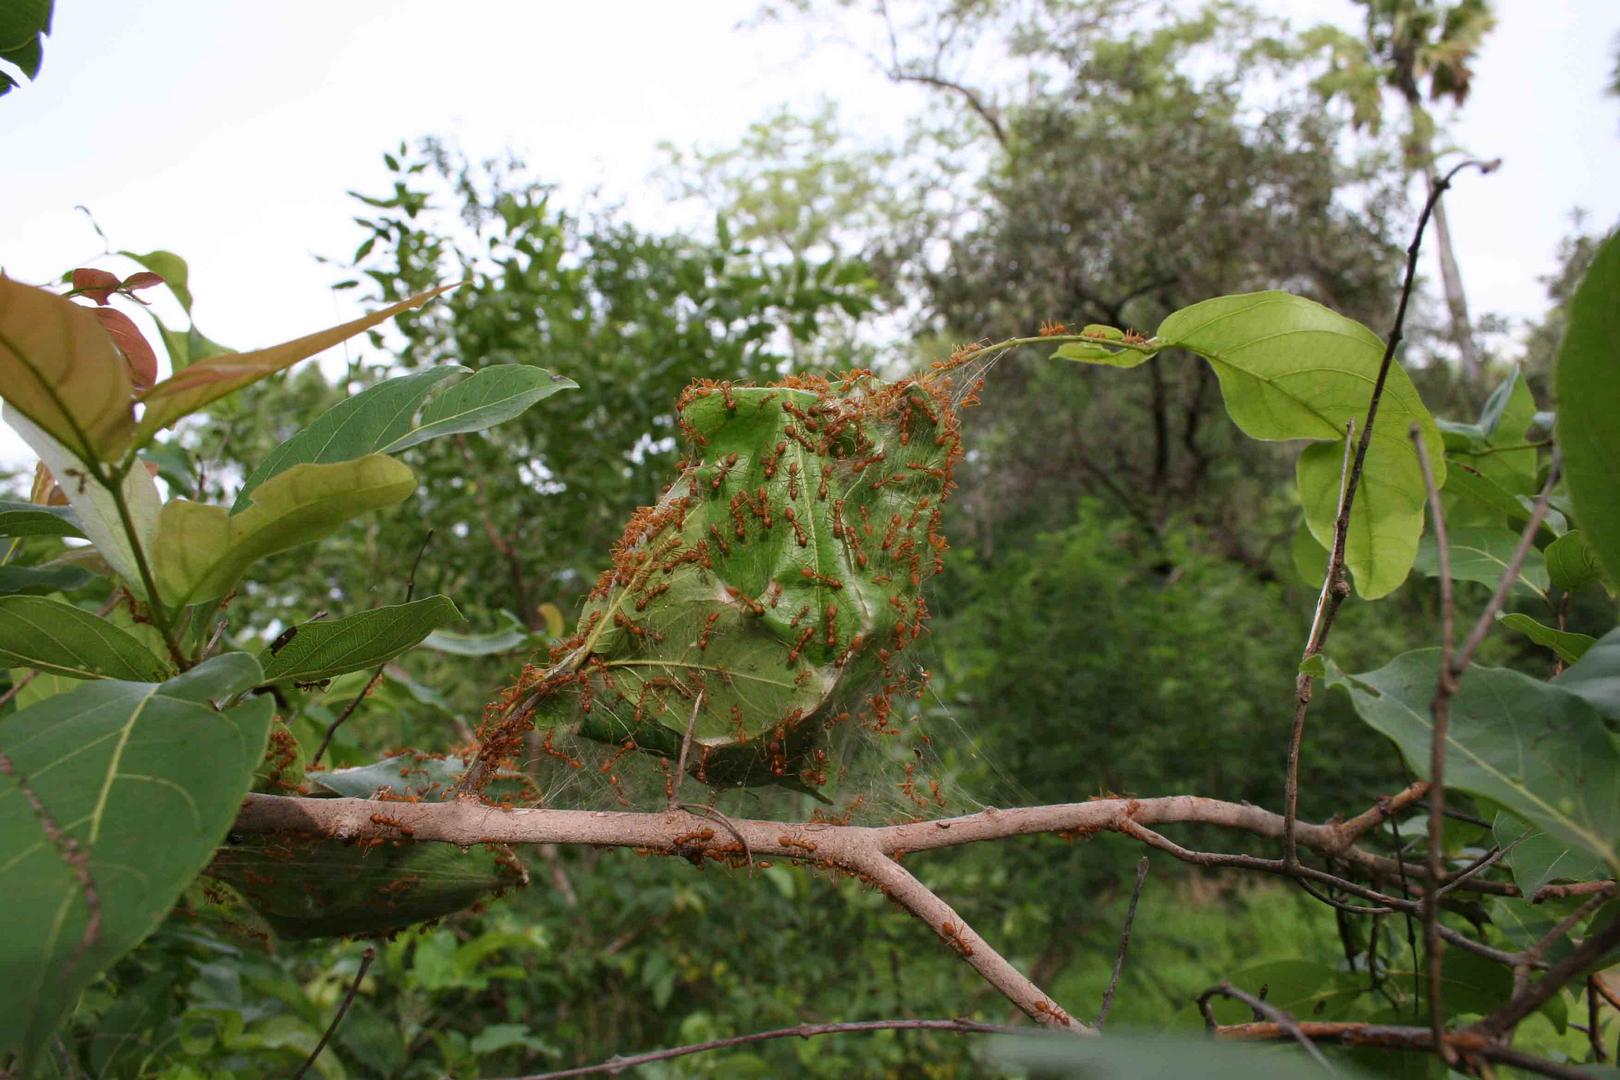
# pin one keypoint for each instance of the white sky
(228, 132)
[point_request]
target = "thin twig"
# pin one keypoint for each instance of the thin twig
(1124, 943)
(1594, 1021)
(1440, 712)
(17, 687)
(686, 744)
(1336, 587)
(616, 1065)
(1261, 1008)
(726, 823)
(376, 676)
(1417, 1039)
(1534, 996)
(348, 999)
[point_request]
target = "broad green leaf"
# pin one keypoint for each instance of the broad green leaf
(1571, 563)
(42, 580)
(184, 392)
(47, 634)
(201, 550)
(59, 368)
(307, 887)
(1292, 369)
(1588, 380)
(146, 778)
(1569, 646)
(1534, 748)
(514, 636)
(1483, 555)
(38, 688)
(1596, 676)
(1503, 455)
(188, 346)
(171, 268)
(95, 506)
(321, 650)
(1488, 502)
(33, 519)
(1310, 557)
(1538, 859)
(363, 424)
(492, 395)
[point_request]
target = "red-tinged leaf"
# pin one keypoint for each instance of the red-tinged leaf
(188, 390)
(60, 371)
(98, 285)
(143, 280)
(133, 344)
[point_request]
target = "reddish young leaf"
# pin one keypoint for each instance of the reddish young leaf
(98, 285)
(133, 344)
(143, 280)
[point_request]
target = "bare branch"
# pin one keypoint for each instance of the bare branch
(616, 1065)
(1440, 713)
(337, 1018)
(1124, 943)
(1283, 1021)
(1469, 1045)
(1335, 585)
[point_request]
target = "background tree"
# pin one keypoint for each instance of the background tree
(1416, 48)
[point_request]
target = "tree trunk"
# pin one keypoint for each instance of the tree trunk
(1462, 330)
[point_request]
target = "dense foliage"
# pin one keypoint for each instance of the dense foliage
(233, 579)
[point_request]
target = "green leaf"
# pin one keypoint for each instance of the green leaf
(321, 650)
(1571, 563)
(95, 506)
(1534, 748)
(1483, 555)
(1484, 496)
(171, 268)
(1569, 646)
(1539, 859)
(201, 550)
(184, 392)
(61, 639)
(1292, 369)
(1100, 352)
(60, 369)
(33, 519)
(492, 395)
(145, 779)
(42, 580)
(363, 424)
(308, 887)
(188, 346)
(1588, 381)
(23, 25)
(416, 775)
(1596, 676)
(514, 636)
(1505, 424)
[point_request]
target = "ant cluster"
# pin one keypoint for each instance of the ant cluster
(770, 596)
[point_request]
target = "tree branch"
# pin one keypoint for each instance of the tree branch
(616, 1065)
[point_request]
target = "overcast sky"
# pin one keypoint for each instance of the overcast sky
(228, 132)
